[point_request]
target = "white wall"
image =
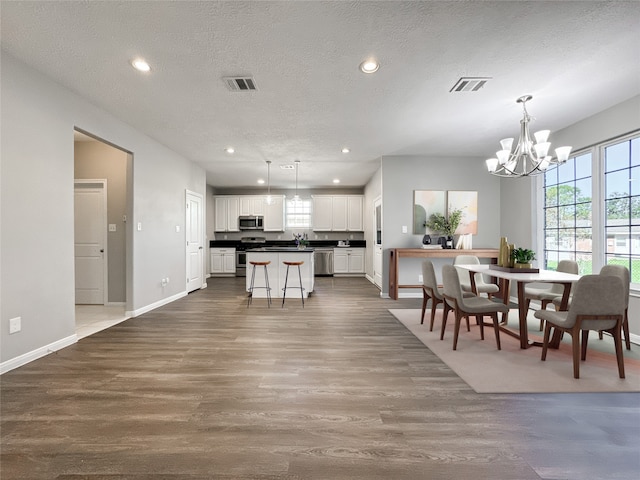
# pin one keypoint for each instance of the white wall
(37, 267)
(402, 175)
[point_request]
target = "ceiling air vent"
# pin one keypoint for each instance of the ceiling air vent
(240, 84)
(469, 84)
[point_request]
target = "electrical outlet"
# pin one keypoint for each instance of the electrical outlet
(177, 228)
(139, 226)
(163, 282)
(420, 278)
(350, 237)
(404, 229)
(15, 325)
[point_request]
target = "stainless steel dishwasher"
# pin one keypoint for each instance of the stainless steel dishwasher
(323, 260)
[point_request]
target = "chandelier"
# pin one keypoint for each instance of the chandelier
(528, 158)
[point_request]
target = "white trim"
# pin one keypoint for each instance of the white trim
(37, 353)
(155, 305)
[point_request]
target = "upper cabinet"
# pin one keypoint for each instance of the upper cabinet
(252, 205)
(338, 213)
(227, 212)
(274, 214)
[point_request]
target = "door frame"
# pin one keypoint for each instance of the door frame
(377, 202)
(88, 183)
(191, 193)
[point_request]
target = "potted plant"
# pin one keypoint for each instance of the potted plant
(301, 239)
(522, 257)
(446, 225)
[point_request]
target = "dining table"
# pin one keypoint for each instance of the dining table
(507, 275)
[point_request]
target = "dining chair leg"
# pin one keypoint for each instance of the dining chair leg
(575, 351)
(617, 340)
(496, 327)
(444, 320)
(545, 341)
(456, 331)
(625, 327)
(585, 342)
(425, 298)
(480, 321)
(434, 304)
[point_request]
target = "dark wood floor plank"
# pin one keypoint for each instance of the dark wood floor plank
(207, 388)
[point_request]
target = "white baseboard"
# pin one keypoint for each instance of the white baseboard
(155, 305)
(37, 353)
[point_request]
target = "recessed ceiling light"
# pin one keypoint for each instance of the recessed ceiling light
(345, 150)
(229, 150)
(261, 181)
(140, 65)
(336, 180)
(370, 65)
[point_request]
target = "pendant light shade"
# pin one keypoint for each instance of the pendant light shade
(296, 197)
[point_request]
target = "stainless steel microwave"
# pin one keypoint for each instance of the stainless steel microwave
(250, 223)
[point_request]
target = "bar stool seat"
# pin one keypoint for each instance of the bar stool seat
(286, 279)
(266, 281)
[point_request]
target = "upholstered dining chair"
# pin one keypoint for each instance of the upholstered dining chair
(616, 271)
(547, 295)
(465, 282)
(598, 304)
(621, 272)
(431, 290)
(464, 307)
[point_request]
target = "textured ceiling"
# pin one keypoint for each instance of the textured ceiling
(575, 58)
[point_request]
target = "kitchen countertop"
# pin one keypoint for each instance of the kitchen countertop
(281, 249)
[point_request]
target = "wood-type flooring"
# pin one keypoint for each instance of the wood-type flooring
(206, 388)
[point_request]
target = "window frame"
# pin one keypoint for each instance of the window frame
(598, 212)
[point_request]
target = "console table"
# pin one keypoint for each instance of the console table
(397, 253)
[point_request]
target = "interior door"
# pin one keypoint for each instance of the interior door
(194, 238)
(90, 224)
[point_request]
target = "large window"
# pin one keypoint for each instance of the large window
(622, 204)
(298, 214)
(567, 213)
(591, 211)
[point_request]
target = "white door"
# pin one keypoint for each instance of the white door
(194, 238)
(90, 227)
(377, 242)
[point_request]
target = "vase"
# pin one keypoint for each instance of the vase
(521, 265)
(301, 247)
(503, 256)
(449, 243)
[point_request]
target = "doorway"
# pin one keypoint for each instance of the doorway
(194, 220)
(377, 242)
(95, 158)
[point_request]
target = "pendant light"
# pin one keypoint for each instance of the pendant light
(296, 197)
(268, 200)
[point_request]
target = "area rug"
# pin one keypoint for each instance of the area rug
(513, 370)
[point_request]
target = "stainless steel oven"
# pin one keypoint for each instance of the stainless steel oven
(246, 243)
(241, 263)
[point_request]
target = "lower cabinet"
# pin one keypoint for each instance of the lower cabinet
(348, 260)
(223, 260)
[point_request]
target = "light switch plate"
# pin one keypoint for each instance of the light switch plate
(139, 226)
(112, 227)
(404, 229)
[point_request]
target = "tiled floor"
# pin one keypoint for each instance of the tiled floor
(91, 319)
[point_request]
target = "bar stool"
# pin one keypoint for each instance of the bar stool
(266, 282)
(286, 278)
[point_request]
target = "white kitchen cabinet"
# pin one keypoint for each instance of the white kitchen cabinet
(337, 213)
(226, 214)
(340, 213)
(274, 214)
(348, 260)
(322, 213)
(355, 207)
(252, 205)
(223, 260)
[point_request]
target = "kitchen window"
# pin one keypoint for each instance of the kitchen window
(298, 214)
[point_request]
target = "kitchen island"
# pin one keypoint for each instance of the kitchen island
(278, 270)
